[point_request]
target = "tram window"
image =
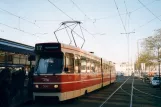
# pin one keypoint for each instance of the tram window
(83, 64)
(77, 64)
(88, 65)
(106, 68)
(99, 67)
(96, 66)
(92, 66)
(70, 62)
(103, 67)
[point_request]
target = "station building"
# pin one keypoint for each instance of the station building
(15, 55)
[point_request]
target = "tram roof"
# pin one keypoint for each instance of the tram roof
(70, 47)
(78, 49)
(11, 46)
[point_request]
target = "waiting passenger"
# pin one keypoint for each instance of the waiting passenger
(30, 82)
(5, 80)
(14, 84)
(22, 78)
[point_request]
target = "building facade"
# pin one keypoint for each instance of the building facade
(125, 68)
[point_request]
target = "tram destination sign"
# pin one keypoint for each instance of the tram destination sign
(47, 47)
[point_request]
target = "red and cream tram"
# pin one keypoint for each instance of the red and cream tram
(67, 72)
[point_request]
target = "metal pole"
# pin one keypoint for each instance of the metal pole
(138, 57)
(159, 64)
(128, 51)
(128, 45)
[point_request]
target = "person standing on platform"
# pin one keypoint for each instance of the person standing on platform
(5, 82)
(30, 82)
(22, 77)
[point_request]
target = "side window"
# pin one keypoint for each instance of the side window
(69, 58)
(88, 65)
(103, 67)
(106, 68)
(99, 66)
(96, 66)
(83, 64)
(77, 64)
(92, 66)
(109, 68)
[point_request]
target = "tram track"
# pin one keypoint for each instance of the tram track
(131, 100)
(114, 92)
(141, 95)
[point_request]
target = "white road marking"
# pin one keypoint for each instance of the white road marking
(146, 93)
(132, 92)
(113, 93)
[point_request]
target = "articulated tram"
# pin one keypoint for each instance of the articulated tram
(66, 72)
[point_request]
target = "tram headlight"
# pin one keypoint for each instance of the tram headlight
(36, 86)
(55, 86)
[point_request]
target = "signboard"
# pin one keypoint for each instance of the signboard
(47, 47)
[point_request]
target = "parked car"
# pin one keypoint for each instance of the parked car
(155, 81)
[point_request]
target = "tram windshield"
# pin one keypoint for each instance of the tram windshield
(49, 64)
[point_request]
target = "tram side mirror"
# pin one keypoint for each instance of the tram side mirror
(66, 69)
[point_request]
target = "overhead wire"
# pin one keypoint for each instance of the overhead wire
(96, 19)
(87, 31)
(60, 9)
(120, 16)
(14, 28)
(149, 10)
(147, 22)
(68, 16)
(143, 6)
(127, 29)
(85, 16)
(126, 12)
(80, 10)
(49, 21)
(19, 17)
(19, 23)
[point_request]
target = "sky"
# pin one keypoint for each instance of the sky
(34, 21)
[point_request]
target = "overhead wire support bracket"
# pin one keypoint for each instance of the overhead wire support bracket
(78, 35)
(83, 36)
(68, 36)
(72, 23)
(59, 30)
(73, 35)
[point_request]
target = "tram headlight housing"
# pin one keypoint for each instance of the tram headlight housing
(56, 86)
(36, 86)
